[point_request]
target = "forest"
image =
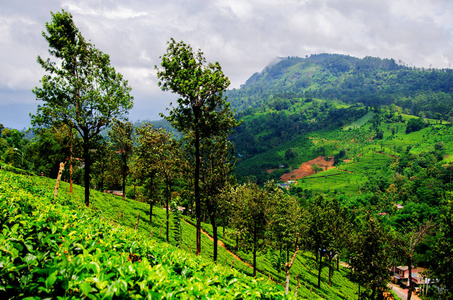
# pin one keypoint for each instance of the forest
(95, 206)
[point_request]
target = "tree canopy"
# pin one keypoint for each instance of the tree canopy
(202, 112)
(81, 88)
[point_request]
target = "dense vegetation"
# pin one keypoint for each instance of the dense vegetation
(371, 81)
(60, 249)
(385, 127)
(296, 96)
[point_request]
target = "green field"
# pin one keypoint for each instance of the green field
(115, 219)
(366, 155)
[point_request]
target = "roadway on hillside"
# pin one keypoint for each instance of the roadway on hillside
(401, 293)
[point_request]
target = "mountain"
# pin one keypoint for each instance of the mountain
(296, 96)
(371, 81)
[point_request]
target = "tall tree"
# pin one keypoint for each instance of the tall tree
(169, 162)
(81, 88)
(406, 244)
(148, 155)
(251, 208)
(370, 256)
(321, 235)
(442, 261)
(217, 167)
(120, 136)
(286, 227)
(202, 110)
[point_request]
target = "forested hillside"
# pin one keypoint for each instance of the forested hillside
(371, 81)
(381, 132)
(338, 169)
(287, 100)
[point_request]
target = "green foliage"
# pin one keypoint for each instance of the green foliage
(52, 250)
(81, 89)
(249, 215)
(202, 112)
(120, 136)
(371, 247)
(415, 125)
(371, 81)
(441, 262)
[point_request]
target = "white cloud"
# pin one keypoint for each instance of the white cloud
(243, 36)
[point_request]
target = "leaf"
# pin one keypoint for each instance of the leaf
(86, 288)
(29, 258)
(14, 228)
(51, 280)
(95, 267)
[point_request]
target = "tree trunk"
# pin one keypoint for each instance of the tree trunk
(124, 185)
(409, 265)
(212, 217)
(254, 251)
(70, 162)
(319, 270)
(338, 263)
(288, 265)
(167, 204)
(57, 182)
(87, 160)
(223, 229)
(197, 187)
(330, 269)
(214, 236)
(151, 205)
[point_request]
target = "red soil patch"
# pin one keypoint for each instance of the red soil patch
(305, 169)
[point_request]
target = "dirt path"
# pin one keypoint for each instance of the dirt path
(221, 244)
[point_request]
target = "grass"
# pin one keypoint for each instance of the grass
(60, 249)
(115, 210)
(366, 154)
(360, 122)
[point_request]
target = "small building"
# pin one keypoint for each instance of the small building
(398, 206)
(401, 276)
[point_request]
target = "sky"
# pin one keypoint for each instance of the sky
(242, 35)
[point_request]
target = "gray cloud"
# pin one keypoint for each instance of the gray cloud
(244, 36)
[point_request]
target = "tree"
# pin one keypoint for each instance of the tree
(315, 168)
(146, 166)
(251, 207)
(121, 138)
(49, 147)
(415, 124)
(286, 227)
(441, 266)
(168, 166)
(202, 110)
(106, 168)
(370, 256)
(322, 231)
(406, 244)
(81, 89)
(217, 167)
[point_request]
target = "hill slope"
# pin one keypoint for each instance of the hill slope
(105, 255)
(287, 101)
